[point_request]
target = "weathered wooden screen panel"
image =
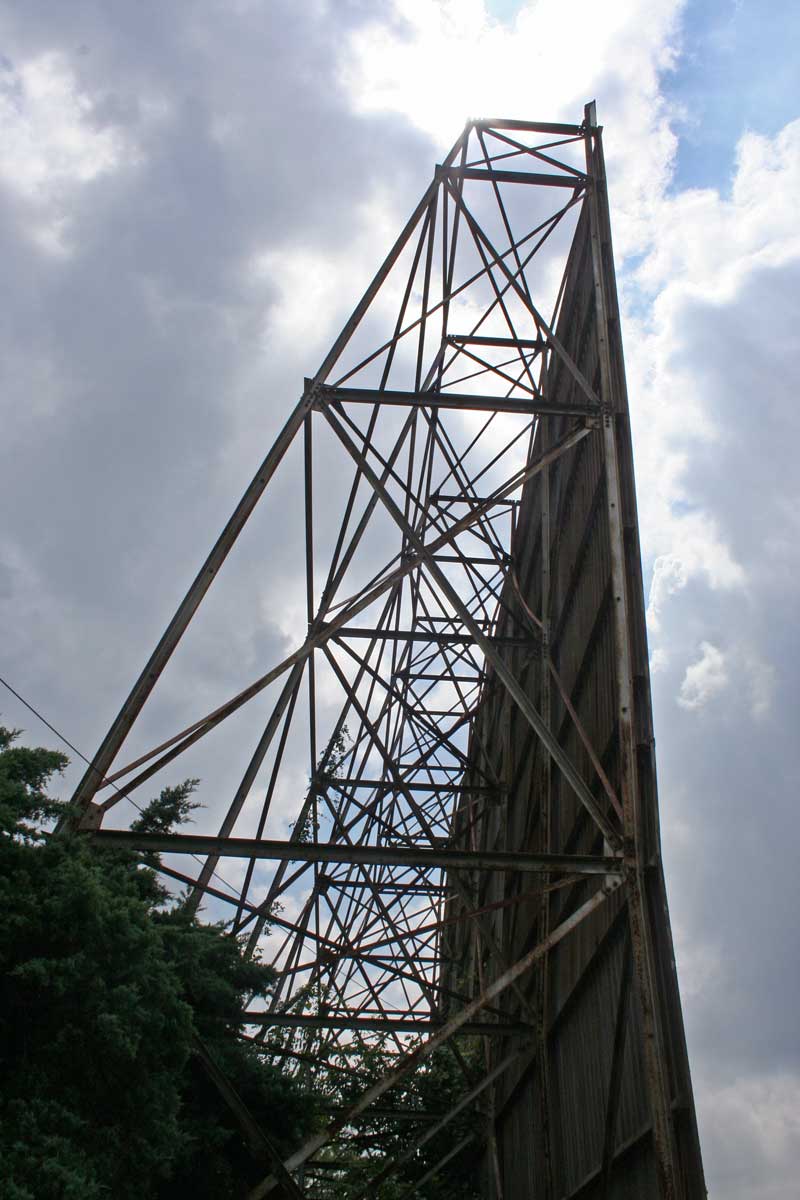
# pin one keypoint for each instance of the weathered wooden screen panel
(574, 1117)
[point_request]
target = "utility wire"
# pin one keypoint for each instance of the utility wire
(75, 750)
(44, 721)
(67, 742)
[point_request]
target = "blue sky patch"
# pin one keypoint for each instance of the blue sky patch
(723, 84)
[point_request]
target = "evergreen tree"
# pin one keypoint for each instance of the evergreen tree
(104, 984)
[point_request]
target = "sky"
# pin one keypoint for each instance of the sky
(192, 197)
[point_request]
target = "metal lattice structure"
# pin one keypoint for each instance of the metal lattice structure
(477, 851)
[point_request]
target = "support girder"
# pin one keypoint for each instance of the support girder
(421, 857)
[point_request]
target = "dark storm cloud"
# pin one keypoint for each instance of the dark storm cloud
(130, 357)
(728, 766)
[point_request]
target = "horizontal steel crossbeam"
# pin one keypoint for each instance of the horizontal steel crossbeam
(555, 127)
(406, 785)
(268, 1020)
(464, 401)
(421, 857)
(424, 635)
(507, 343)
(542, 179)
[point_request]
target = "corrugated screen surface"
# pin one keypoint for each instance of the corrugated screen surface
(573, 1116)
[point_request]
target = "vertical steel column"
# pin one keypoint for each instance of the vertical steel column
(670, 1184)
(544, 818)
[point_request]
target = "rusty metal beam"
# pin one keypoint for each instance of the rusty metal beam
(452, 1026)
(421, 857)
(537, 178)
(422, 1139)
(464, 402)
(420, 1027)
(670, 1182)
(512, 685)
(113, 740)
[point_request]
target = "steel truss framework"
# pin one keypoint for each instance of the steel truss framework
(477, 851)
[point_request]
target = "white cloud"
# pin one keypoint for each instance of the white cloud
(669, 576)
(659, 660)
(707, 249)
(51, 142)
(714, 670)
(707, 242)
(704, 679)
(440, 64)
(48, 130)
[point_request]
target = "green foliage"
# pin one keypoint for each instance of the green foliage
(24, 775)
(335, 753)
(328, 771)
(103, 986)
(172, 807)
(434, 1087)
